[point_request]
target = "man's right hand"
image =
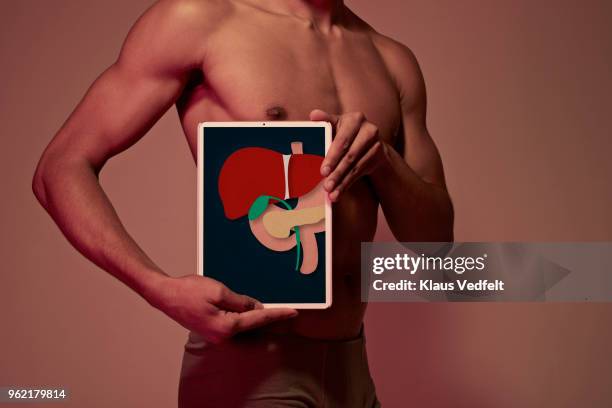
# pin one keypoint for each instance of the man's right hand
(211, 309)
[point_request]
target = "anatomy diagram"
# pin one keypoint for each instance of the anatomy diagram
(257, 182)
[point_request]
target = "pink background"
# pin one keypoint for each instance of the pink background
(519, 107)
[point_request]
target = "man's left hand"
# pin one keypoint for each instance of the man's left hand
(355, 151)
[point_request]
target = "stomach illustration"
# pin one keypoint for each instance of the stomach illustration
(256, 183)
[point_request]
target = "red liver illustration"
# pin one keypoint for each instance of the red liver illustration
(252, 173)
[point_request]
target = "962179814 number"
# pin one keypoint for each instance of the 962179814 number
(34, 393)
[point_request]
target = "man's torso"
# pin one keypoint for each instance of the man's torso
(264, 66)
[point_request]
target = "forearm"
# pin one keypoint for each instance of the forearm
(415, 209)
(72, 195)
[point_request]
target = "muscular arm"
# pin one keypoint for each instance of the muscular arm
(160, 52)
(410, 180)
(117, 110)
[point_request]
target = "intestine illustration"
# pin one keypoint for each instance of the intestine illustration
(256, 182)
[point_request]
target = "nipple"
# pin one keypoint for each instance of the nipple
(276, 113)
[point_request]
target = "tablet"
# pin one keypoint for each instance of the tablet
(264, 220)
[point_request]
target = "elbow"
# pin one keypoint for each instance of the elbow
(49, 167)
(434, 223)
(38, 182)
(449, 226)
(58, 166)
(55, 170)
(446, 224)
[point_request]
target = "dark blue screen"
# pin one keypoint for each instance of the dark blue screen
(232, 254)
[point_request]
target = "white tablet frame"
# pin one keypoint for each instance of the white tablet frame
(328, 212)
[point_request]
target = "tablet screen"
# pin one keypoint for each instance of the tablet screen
(264, 210)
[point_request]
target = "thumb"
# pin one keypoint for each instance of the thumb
(257, 318)
(320, 115)
(234, 302)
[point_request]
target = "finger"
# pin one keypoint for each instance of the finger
(358, 170)
(226, 299)
(320, 115)
(367, 136)
(348, 126)
(257, 318)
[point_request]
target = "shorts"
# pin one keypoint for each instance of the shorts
(260, 369)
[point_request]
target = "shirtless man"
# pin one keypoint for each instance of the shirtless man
(225, 60)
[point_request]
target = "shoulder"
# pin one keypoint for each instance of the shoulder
(397, 55)
(172, 33)
(404, 68)
(181, 15)
(393, 52)
(401, 63)
(189, 9)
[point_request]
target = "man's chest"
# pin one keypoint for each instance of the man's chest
(261, 74)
